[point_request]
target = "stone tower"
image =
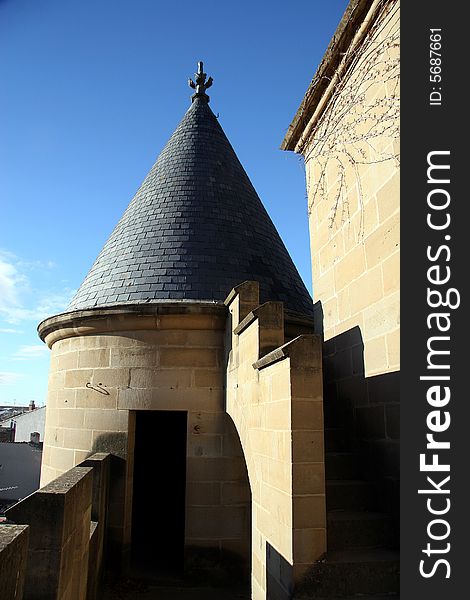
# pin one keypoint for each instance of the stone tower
(165, 357)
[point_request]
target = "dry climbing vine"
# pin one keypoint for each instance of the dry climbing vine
(361, 120)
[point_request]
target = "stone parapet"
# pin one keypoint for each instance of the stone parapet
(275, 398)
(58, 516)
(13, 556)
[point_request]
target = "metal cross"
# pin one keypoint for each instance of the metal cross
(201, 84)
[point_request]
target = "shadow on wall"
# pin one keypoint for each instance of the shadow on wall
(279, 575)
(114, 443)
(366, 409)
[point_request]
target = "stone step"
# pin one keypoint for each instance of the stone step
(350, 494)
(358, 529)
(340, 465)
(344, 574)
(336, 440)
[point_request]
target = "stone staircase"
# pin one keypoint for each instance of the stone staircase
(361, 562)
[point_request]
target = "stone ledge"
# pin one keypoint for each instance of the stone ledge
(64, 482)
(9, 533)
(354, 15)
(125, 317)
(301, 348)
(269, 311)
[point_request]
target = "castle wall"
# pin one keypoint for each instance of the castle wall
(350, 146)
(105, 369)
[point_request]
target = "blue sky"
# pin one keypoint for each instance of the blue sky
(90, 93)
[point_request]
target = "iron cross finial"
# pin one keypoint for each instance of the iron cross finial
(201, 84)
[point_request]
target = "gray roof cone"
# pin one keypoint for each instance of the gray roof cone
(195, 229)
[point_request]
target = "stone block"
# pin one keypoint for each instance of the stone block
(157, 378)
(277, 472)
(215, 522)
(66, 361)
(133, 357)
(278, 503)
(307, 446)
(393, 349)
(80, 455)
(171, 399)
(203, 493)
(61, 459)
(309, 545)
(307, 383)
(94, 358)
(391, 274)
(96, 397)
(235, 493)
(375, 356)
(70, 417)
(13, 555)
(370, 218)
(77, 439)
(383, 242)
(231, 445)
(112, 378)
(308, 478)
(330, 311)
(214, 469)
(56, 380)
(349, 268)
(204, 445)
(208, 378)
(388, 197)
(106, 420)
(366, 290)
(383, 317)
(309, 512)
(65, 398)
(188, 357)
(278, 415)
(77, 378)
(206, 422)
(325, 285)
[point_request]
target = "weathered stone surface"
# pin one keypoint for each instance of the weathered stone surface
(13, 556)
(58, 516)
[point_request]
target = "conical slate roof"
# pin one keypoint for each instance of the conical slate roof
(195, 229)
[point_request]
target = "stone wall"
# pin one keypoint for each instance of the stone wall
(274, 396)
(350, 146)
(59, 517)
(13, 556)
(355, 242)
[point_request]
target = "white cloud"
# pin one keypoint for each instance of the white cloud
(10, 283)
(30, 352)
(10, 330)
(15, 288)
(8, 377)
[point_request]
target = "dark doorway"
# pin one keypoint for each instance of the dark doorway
(158, 505)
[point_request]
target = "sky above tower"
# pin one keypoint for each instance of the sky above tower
(91, 92)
